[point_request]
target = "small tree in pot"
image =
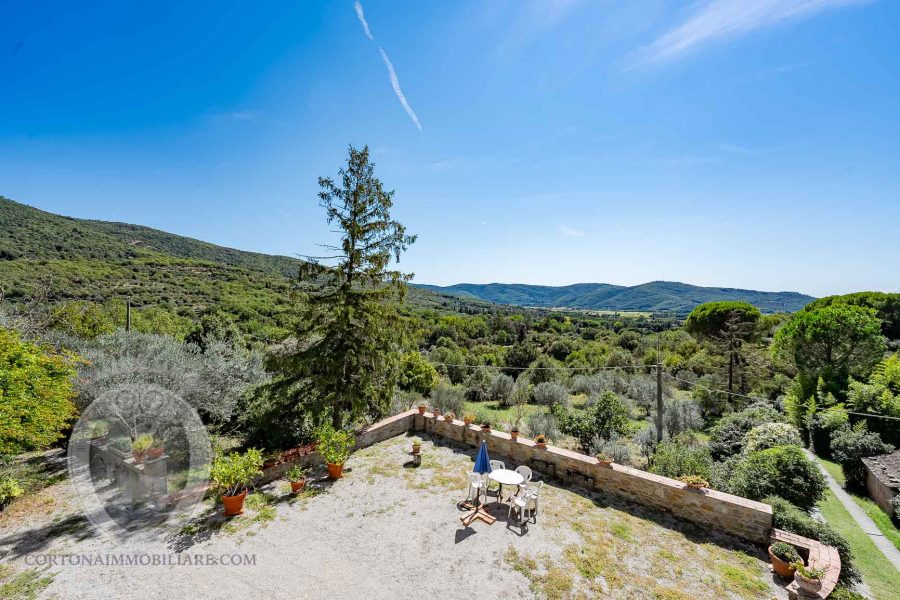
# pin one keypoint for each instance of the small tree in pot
(334, 445)
(297, 476)
(232, 474)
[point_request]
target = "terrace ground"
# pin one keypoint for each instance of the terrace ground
(388, 530)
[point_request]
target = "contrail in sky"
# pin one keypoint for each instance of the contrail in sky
(395, 82)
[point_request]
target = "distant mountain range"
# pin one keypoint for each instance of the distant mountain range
(656, 296)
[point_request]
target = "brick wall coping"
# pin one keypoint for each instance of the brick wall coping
(819, 556)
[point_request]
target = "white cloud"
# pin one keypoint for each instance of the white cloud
(723, 20)
(571, 231)
(362, 19)
(395, 83)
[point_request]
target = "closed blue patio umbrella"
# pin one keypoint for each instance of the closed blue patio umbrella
(482, 466)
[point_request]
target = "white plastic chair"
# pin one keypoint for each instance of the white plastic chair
(496, 464)
(476, 486)
(526, 502)
(525, 472)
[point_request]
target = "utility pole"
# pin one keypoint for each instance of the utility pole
(659, 392)
(128, 315)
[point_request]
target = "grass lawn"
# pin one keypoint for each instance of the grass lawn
(882, 520)
(879, 574)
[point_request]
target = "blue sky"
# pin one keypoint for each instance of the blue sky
(717, 142)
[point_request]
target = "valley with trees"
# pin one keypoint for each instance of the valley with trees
(273, 351)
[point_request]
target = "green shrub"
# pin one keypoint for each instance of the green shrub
(606, 417)
(334, 446)
(448, 398)
(234, 472)
(791, 518)
(542, 423)
(9, 491)
(551, 393)
(676, 459)
(35, 394)
(769, 435)
(781, 471)
(849, 446)
(895, 504)
(822, 425)
(727, 436)
(842, 592)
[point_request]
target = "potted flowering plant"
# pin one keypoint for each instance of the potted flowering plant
(783, 557)
(140, 446)
(449, 416)
(486, 426)
(468, 419)
(156, 449)
(540, 440)
(232, 474)
(334, 446)
(605, 458)
(422, 406)
(695, 482)
(297, 477)
(436, 412)
(808, 579)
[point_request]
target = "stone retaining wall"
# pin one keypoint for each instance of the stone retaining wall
(732, 514)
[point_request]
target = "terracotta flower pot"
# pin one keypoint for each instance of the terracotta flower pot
(605, 463)
(809, 587)
(486, 428)
(154, 453)
(467, 422)
(234, 505)
(781, 568)
(138, 456)
(421, 410)
(436, 412)
(335, 471)
(416, 448)
(514, 434)
(542, 445)
(297, 486)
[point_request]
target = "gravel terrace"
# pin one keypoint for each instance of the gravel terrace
(391, 531)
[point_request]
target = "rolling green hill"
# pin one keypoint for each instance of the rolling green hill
(78, 259)
(656, 296)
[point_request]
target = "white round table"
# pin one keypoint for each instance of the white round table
(505, 477)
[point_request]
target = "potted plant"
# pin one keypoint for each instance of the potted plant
(422, 407)
(540, 440)
(270, 459)
(98, 432)
(156, 449)
(231, 475)
(783, 557)
(140, 446)
(808, 579)
(695, 482)
(514, 432)
(436, 412)
(605, 458)
(486, 426)
(450, 417)
(416, 445)
(334, 446)
(468, 419)
(297, 476)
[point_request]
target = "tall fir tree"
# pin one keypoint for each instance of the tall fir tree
(350, 332)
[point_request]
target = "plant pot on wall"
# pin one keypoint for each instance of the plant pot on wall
(234, 505)
(154, 453)
(335, 471)
(782, 568)
(422, 408)
(808, 587)
(514, 434)
(138, 456)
